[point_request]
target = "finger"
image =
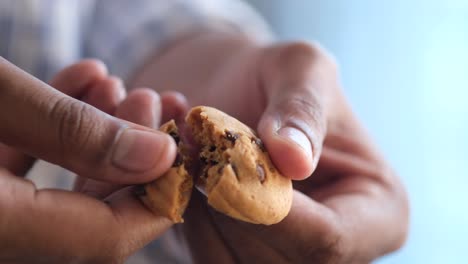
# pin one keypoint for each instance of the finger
(76, 79)
(106, 94)
(315, 241)
(174, 106)
(15, 161)
(293, 125)
(72, 80)
(201, 231)
(88, 80)
(73, 225)
(369, 212)
(45, 123)
(95, 188)
(78, 183)
(370, 201)
(143, 107)
(140, 225)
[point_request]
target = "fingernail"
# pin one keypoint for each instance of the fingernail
(297, 137)
(138, 150)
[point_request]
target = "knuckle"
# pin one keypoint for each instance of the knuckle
(72, 126)
(113, 258)
(401, 232)
(326, 57)
(78, 130)
(326, 250)
(310, 106)
(326, 245)
(386, 179)
(399, 242)
(114, 249)
(302, 50)
(90, 67)
(306, 109)
(309, 55)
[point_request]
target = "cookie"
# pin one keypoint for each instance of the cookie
(169, 194)
(236, 174)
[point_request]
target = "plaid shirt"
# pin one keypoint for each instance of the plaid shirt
(43, 36)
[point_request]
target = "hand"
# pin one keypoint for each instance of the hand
(55, 226)
(352, 209)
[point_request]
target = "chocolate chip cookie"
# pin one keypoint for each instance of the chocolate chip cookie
(236, 173)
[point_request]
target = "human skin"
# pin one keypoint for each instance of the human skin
(352, 208)
(348, 206)
(58, 226)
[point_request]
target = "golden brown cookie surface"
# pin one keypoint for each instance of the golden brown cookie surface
(238, 176)
(169, 194)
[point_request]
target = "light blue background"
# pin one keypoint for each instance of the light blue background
(404, 66)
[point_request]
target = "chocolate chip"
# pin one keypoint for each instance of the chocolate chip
(259, 143)
(213, 162)
(231, 136)
(212, 148)
(178, 160)
(139, 190)
(175, 137)
(220, 170)
(261, 173)
(203, 160)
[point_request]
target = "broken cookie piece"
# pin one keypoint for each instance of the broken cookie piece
(169, 194)
(233, 175)
(231, 167)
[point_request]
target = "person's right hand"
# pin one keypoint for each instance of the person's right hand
(36, 121)
(348, 204)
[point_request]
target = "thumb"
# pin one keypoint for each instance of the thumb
(293, 124)
(47, 124)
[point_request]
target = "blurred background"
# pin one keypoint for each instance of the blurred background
(404, 67)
